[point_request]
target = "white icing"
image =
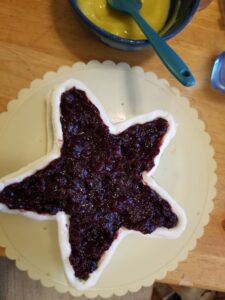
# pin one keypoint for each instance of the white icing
(62, 219)
(28, 214)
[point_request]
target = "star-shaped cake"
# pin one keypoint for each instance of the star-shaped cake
(96, 182)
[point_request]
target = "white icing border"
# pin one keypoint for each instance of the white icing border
(62, 218)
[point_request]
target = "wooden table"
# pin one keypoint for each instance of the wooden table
(38, 36)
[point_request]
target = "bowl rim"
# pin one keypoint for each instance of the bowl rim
(130, 42)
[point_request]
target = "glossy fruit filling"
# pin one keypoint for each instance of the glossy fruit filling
(97, 181)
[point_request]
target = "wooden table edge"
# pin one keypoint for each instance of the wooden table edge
(2, 251)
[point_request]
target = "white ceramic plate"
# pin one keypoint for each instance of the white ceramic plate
(186, 171)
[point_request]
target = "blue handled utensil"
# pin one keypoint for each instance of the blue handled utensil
(170, 59)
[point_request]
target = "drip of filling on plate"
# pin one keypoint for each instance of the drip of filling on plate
(97, 181)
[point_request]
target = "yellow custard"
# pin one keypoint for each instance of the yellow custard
(100, 13)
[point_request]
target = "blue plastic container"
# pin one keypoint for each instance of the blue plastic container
(218, 73)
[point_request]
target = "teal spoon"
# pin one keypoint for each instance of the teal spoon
(170, 59)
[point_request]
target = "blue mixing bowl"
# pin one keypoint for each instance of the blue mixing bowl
(186, 11)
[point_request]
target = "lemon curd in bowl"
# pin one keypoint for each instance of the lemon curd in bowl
(118, 30)
(122, 25)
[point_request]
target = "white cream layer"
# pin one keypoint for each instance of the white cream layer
(62, 219)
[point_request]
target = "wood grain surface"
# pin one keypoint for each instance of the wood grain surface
(38, 36)
(2, 252)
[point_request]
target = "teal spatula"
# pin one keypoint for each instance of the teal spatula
(170, 59)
